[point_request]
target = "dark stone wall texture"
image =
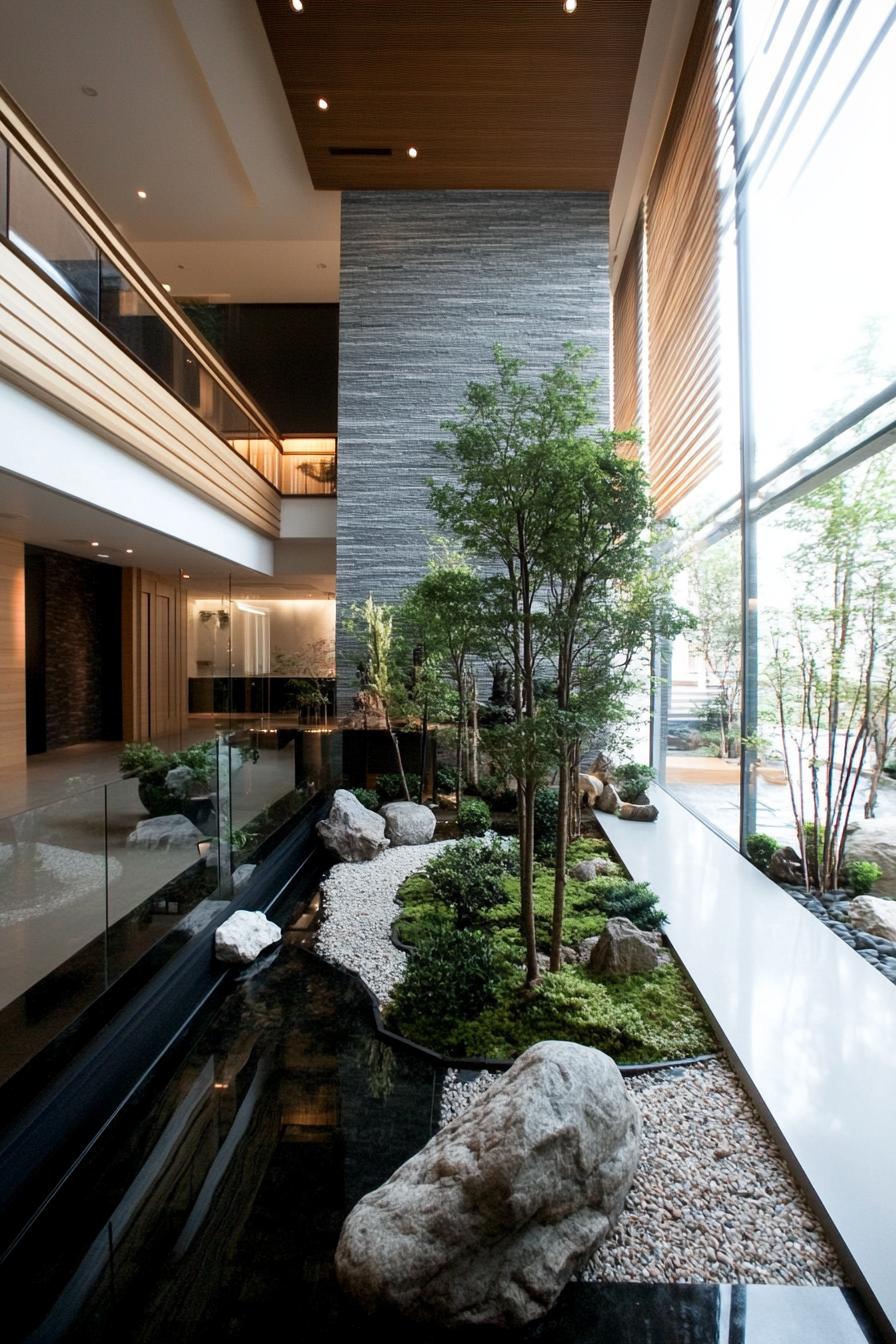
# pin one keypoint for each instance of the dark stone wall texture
(429, 282)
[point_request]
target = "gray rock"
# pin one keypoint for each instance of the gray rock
(588, 869)
(873, 914)
(179, 781)
(785, 865)
(408, 823)
(586, 947)
(243, 936)
(488, 1222)
(622, 949)
(875, 841)
(352, 831)
(173, 832)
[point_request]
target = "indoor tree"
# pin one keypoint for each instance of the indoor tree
(373, 621)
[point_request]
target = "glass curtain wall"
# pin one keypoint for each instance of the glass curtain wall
(774, 711)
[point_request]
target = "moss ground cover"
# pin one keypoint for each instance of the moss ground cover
(635, 1020)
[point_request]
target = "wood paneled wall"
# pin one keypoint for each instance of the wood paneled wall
(57, 353)
(12, 653)
(153, 656)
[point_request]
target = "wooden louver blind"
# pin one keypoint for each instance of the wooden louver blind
(684, 331)
(626, 305)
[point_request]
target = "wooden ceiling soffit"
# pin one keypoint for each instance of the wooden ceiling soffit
(493, 94)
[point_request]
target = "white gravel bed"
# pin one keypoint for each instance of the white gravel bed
(358, 909)
(712, 1200)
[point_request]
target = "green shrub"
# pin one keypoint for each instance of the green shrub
(547, 808)
(860, 875)
(620, 898)
(760, 849)
(473, 817)
(446, 779)
(632, 780)
(389, 790)
(469, 878)
(141, 757)
(367, 798)
(452, 976)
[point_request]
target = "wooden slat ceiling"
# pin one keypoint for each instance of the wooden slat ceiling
(505, 94)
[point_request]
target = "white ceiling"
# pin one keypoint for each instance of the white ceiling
(44, 517)
(189, 108)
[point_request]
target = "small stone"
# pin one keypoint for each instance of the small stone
(243, 936)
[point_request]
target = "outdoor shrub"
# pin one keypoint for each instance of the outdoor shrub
(760, 849)
(367, 798)
(547, 808)
(496, 793)
(630, 900)
(446, 779)
(451, 976)
(469, 878)
(473, 817)
(389, 790)
(860, 875)
(632, 780)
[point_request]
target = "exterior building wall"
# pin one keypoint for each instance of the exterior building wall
(430, 281)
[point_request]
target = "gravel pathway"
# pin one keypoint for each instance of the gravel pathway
(712, 1200)
(358, 909)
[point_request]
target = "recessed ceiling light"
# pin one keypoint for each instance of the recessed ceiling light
(296, 5)
(129, 550)
(412, 153)
(570, 6)
(142, 194)
(102, 555)
(94, 543)
(89, 90)
(167, 288)
(322, 104)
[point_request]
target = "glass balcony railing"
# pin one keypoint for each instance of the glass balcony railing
(93, 883)
(45, 223)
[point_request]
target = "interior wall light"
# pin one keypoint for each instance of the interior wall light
(570, 6)
(322, 104)
(412, 153)
(296, 6)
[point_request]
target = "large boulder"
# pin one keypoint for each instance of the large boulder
(408, 823)
(352, 831)
(874, 915)
(243, 936)
(174, 832)
(622, 949)
(488, 1222)
(875, 841)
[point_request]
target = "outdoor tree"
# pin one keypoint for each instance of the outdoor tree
(714, 598)
(831, 667)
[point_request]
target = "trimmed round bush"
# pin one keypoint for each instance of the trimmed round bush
(473, 817)
(367, 798)
(469, 878)
(636, 901)
(760, 849)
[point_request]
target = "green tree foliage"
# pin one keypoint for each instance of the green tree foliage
(714, 591)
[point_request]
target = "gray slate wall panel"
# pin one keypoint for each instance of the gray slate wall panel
(429, 282)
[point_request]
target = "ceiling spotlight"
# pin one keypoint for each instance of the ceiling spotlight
(102, 555)
(94, 543)
(167, 288)
(322, 104)
(296, 5)
(570, 6)
(142, 195)
(183, 574)
(89, 90)
(129, 550)
(412, 153)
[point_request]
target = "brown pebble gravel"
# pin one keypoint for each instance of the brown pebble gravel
(712, 1200)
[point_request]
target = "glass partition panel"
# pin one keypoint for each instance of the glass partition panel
(701, 689)
(41, 228)
(127, 315)
(52, 919)
(262, 786)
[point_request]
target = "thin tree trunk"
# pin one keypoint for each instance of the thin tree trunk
(560, 866)
(474, 735)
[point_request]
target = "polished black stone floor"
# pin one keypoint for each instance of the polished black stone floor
(215, 1211)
